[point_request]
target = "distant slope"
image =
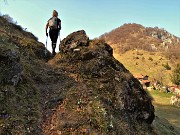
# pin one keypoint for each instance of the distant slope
(130, 39)
(136, 36)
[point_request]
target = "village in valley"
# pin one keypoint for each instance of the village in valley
(150, 86)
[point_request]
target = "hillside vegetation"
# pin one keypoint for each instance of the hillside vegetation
(136, 36)
(21, 59)
(147, 63)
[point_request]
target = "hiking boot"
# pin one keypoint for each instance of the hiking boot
(53, 52)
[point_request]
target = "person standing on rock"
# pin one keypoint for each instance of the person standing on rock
(54, 24)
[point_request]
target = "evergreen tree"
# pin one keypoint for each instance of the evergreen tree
(175, 77)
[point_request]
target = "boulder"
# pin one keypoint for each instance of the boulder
(119, 94)
(74, 40)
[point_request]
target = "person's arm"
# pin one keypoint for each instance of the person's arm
(46, 29)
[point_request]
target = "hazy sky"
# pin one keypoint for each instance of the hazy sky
(94, 16)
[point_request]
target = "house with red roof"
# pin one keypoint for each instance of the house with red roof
(143, 79)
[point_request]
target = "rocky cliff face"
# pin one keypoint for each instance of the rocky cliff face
(163, 35)
(82, 90)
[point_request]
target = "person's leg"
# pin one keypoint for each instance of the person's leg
(53, 48)
(51, 34)
(55, 36)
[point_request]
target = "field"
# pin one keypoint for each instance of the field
(164, 110)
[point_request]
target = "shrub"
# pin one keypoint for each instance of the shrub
(143, 59)
(9, 19)
(166, 66)
(150, 58)
(156, 63)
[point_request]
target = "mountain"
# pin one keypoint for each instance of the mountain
(82, 90)
(136, 36)
(145, 50)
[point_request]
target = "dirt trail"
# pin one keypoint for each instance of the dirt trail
(50, 125)
(53, 89)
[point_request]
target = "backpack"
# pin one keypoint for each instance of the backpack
(53, 23)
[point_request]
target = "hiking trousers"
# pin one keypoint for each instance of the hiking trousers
(53, 33)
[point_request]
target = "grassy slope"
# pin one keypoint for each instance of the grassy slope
(140, 62)
(20, 103)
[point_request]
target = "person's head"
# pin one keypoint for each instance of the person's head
(55, 13)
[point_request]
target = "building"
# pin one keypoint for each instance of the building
(143, 79)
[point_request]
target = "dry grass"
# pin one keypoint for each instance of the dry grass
(146, 63)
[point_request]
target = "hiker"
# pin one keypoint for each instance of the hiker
(54, 24)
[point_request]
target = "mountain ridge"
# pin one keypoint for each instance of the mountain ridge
(135, 36)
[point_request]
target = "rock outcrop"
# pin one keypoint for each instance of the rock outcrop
(74, 40)
(105, 99)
